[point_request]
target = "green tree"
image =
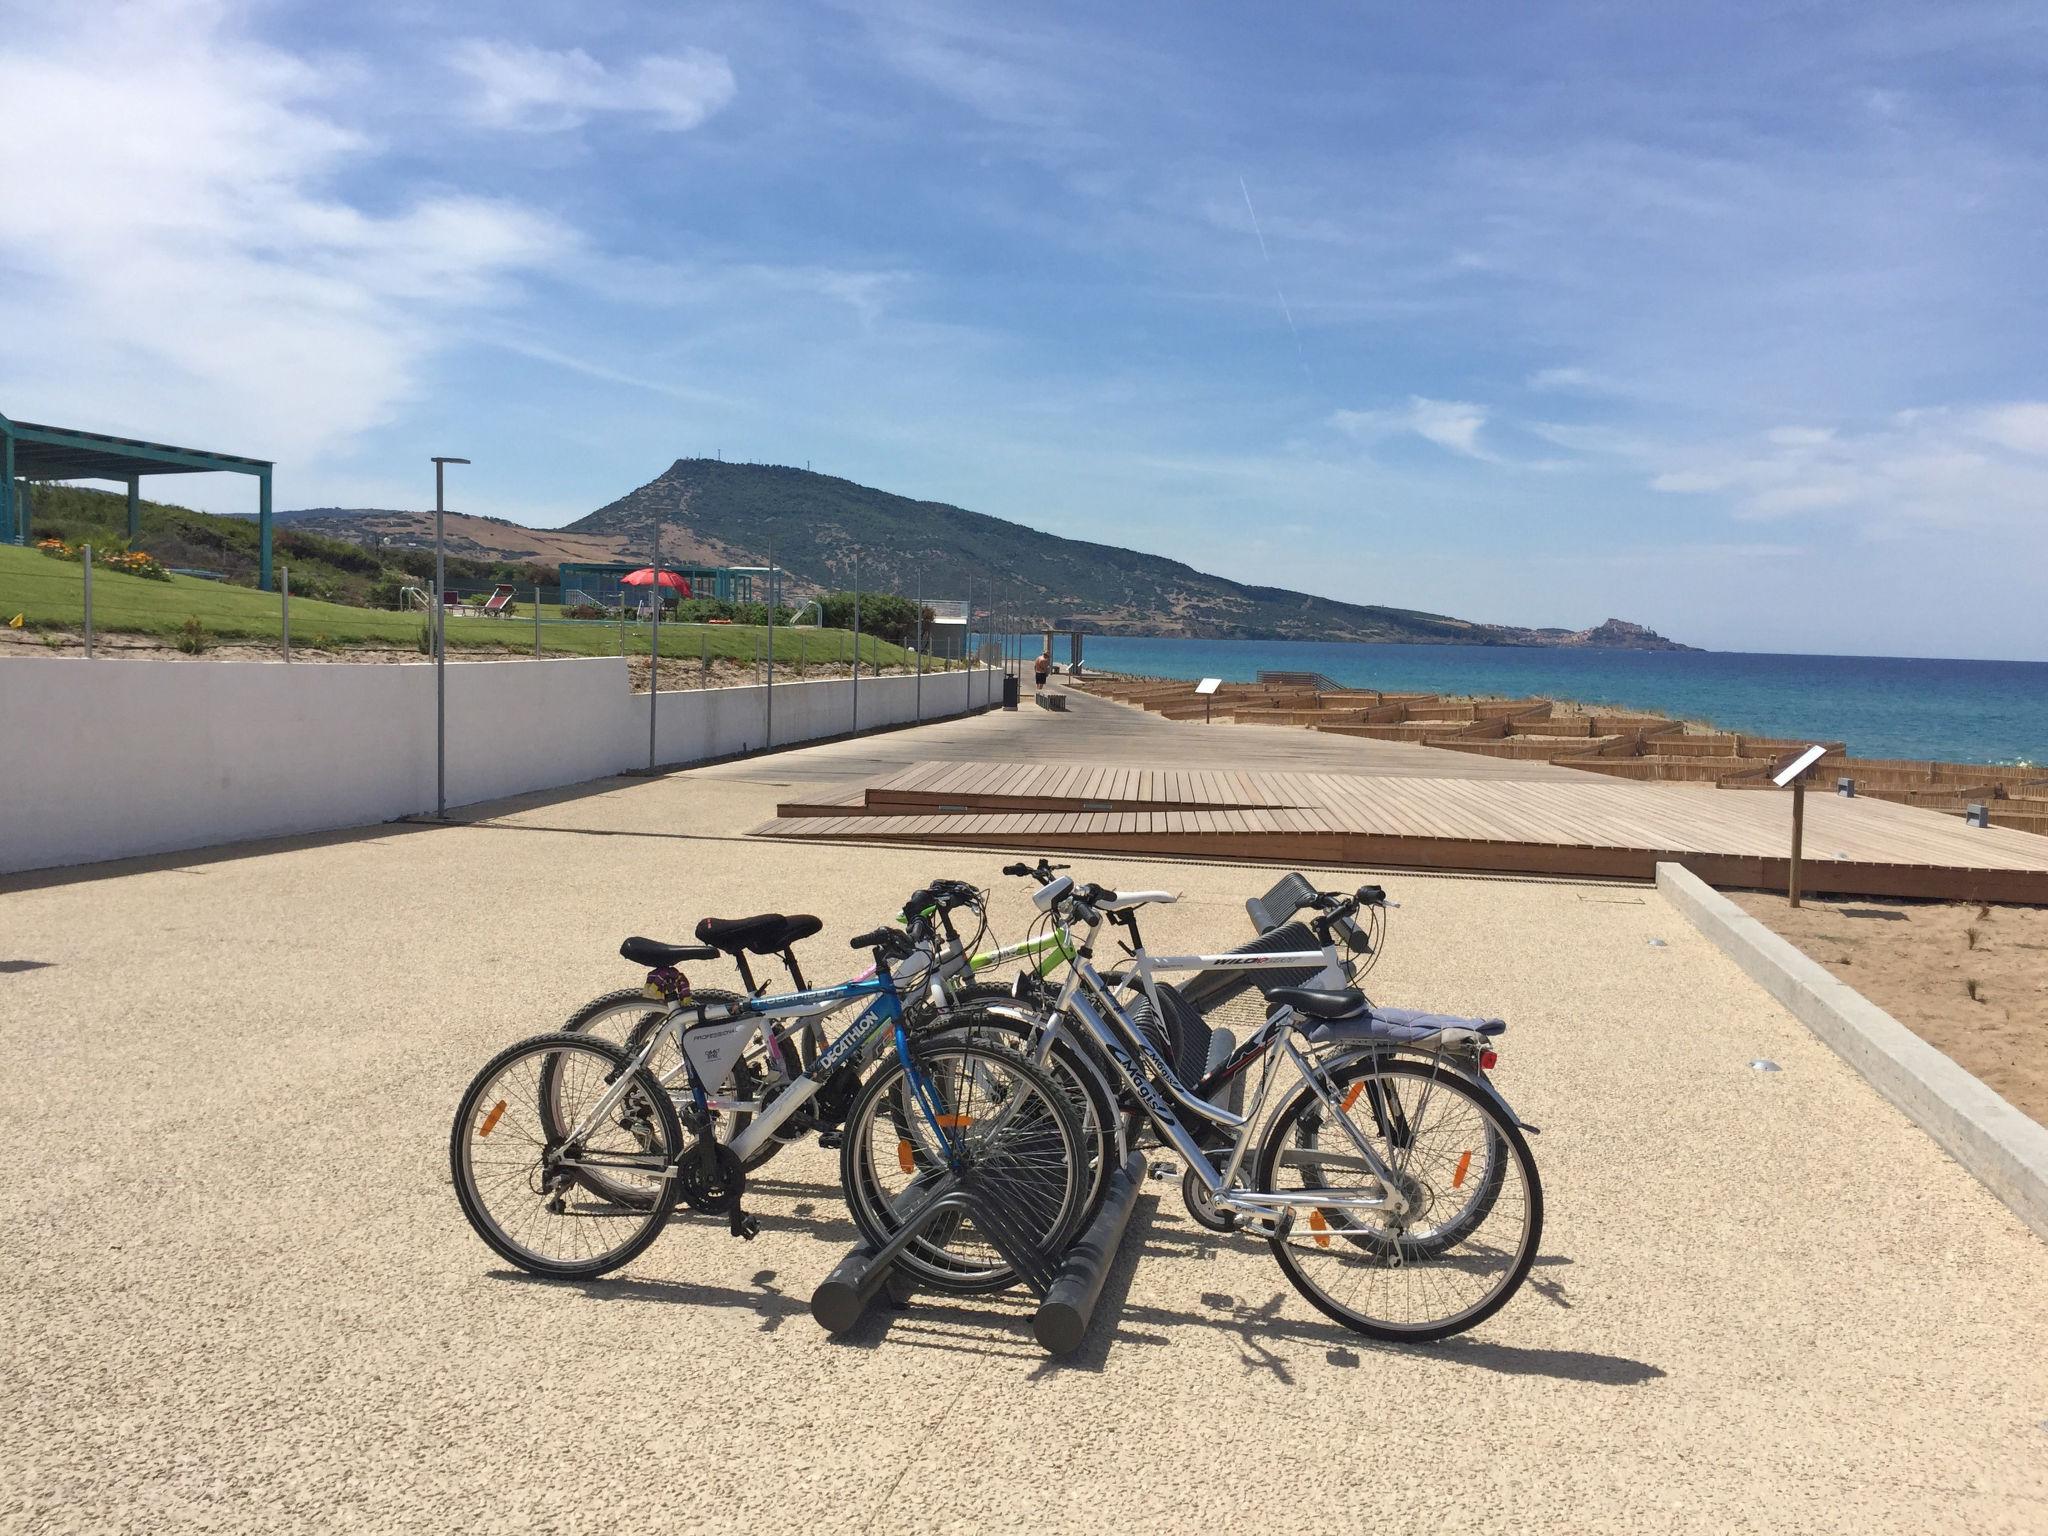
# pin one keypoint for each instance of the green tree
(882, 614)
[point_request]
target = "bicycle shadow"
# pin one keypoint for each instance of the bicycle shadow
(768, 1300)
(1262, 1331)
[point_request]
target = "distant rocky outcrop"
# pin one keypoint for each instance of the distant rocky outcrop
(1614, 635)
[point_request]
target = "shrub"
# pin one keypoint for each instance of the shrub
(583, 611)
(191, 637)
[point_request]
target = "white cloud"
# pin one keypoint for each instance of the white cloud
(538, 90)
(1924, 469)
(2023, 427)
(1450, 424)
(181, 265)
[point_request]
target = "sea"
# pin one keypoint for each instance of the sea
(1882, 706)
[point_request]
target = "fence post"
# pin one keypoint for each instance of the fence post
(856, 645)
(918, 630)
(768, 731)
(284, 604)
(536, 621)
(86, 551)
(704, 665)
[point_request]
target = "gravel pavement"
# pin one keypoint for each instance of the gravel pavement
(240, 1295)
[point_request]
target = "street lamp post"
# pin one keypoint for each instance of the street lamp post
(441, 638)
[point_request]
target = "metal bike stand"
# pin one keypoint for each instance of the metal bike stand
(1062, 1319)
(1067, 1292)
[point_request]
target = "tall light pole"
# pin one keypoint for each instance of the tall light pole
(441, 638)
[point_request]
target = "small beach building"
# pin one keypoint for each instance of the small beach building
(593, 582)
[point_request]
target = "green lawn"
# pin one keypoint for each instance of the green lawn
(50, 594)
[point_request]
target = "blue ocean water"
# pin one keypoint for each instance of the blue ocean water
(1882, 706)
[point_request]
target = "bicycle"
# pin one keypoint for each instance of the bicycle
(772, 1055)
(596, 1152)
(1385, 1201)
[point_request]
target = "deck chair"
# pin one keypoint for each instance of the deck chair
(499, 600)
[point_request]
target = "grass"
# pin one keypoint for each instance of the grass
(50, 594)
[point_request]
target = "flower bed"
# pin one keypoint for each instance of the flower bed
(131, 562)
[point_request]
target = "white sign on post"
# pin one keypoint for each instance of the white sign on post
(1799, 765)
(1209, 685)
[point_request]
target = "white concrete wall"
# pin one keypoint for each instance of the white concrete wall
(107, 759)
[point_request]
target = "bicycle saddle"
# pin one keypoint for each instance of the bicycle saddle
(767, 934)
(654, 954)
(1313, 1001)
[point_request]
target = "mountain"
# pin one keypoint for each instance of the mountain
(815, 524)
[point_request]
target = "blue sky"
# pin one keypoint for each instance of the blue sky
(1727, 319)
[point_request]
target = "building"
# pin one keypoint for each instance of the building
(587, 582)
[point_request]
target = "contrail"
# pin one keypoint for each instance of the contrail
(1267, 257)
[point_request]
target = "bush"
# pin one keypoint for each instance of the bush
(882, 614)
(192, 638)
(583, 611)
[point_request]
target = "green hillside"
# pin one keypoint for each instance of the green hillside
(49, 595)
(322, 567)
(814, 523)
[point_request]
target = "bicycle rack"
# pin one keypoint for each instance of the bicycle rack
(1067, 1290)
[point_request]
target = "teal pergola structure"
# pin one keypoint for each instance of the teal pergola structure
(32, 451)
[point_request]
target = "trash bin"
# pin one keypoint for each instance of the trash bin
(1009, 690)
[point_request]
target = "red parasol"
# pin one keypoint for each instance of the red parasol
(645, 577)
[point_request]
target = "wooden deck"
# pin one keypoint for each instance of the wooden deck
(1571, 825)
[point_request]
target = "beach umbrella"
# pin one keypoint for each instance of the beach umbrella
(646, 577)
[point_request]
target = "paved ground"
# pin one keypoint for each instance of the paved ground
(240, 1295)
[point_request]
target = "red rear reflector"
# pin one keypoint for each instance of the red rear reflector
(1464, 1167)
(1488, 1060)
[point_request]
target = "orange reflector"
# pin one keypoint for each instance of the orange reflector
(903, 1158)
(1464, 1167)
(1320, 1227)
(1351, 1098)
(491, 1120)
(956, 1122)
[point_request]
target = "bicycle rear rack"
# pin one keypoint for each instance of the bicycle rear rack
(1068, 1287)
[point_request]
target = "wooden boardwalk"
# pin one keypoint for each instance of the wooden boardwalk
(1570, 825)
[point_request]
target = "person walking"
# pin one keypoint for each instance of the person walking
(1039, 668)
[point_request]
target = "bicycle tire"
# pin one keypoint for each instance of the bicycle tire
(1485, 1190)
(1074, 1071)
(1039, 1160)
(478, 1193)
(1387, 1249)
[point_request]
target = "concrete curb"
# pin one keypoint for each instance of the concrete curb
(2005, 1149)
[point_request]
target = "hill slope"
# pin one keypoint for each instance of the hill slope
(814, 523)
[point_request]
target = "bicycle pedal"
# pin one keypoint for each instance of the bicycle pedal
(1165, 1170)
(745, 1226)
(831, 1141)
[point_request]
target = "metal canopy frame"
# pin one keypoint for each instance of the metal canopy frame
(32, 451)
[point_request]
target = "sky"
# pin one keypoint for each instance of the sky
(1727, 319)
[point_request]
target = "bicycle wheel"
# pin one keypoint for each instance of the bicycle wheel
(1314, 1142)
(1435, 1269)
(1010, 1138)
(1079, 1080)
(525, 1184)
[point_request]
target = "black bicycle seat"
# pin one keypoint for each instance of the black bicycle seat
(767, 934)
(654, 954)
(1318, 1004)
